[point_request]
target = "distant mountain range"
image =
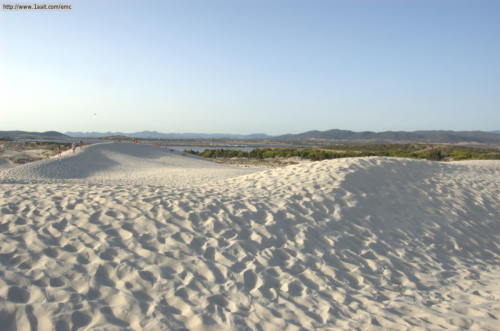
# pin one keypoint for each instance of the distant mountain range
(437, 136)
(159, 135)
(27, 135)
(329, 136)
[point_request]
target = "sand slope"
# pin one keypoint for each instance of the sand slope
(351, 243)
(123, 163)
(4, 164)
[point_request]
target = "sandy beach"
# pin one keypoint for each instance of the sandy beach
(119, 236)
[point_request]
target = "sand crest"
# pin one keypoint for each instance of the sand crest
(130, 237)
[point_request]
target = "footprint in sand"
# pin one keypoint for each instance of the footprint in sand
(250, 279)
(18, 295)
(102, 277)
(62, 326)
(69, 248)
(51, 252)
(56, 282)
(20, 221)
(83, 259)
(295, 289)
(167, 272)
(60, 225)
(210, 253)
(109, 254)
(148, 276)
(25, 266)
(80, 319)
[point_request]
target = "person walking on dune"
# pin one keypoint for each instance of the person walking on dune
(73, 146)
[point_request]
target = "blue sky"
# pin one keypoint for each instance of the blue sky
(252, 66)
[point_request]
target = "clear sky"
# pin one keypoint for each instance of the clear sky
(246, 66)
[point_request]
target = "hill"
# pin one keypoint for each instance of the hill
(335, 135)
(159, 135)
(26, 134)
(437, 136)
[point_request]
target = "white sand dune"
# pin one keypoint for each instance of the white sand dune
(367, 243)
(124, 163)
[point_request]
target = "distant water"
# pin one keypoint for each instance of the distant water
(199, 148)
(237, 147)
(202, 148)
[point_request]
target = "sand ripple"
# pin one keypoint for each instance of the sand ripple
(352, 243)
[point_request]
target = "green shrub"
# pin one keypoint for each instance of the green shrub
(317, 154)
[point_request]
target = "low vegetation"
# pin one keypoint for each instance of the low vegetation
(26, 145)
(23, 160)
(21, 152)
(414, 151)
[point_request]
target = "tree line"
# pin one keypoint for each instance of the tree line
(317, 154)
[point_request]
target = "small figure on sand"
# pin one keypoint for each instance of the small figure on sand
(73, 146)
(81, 144)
